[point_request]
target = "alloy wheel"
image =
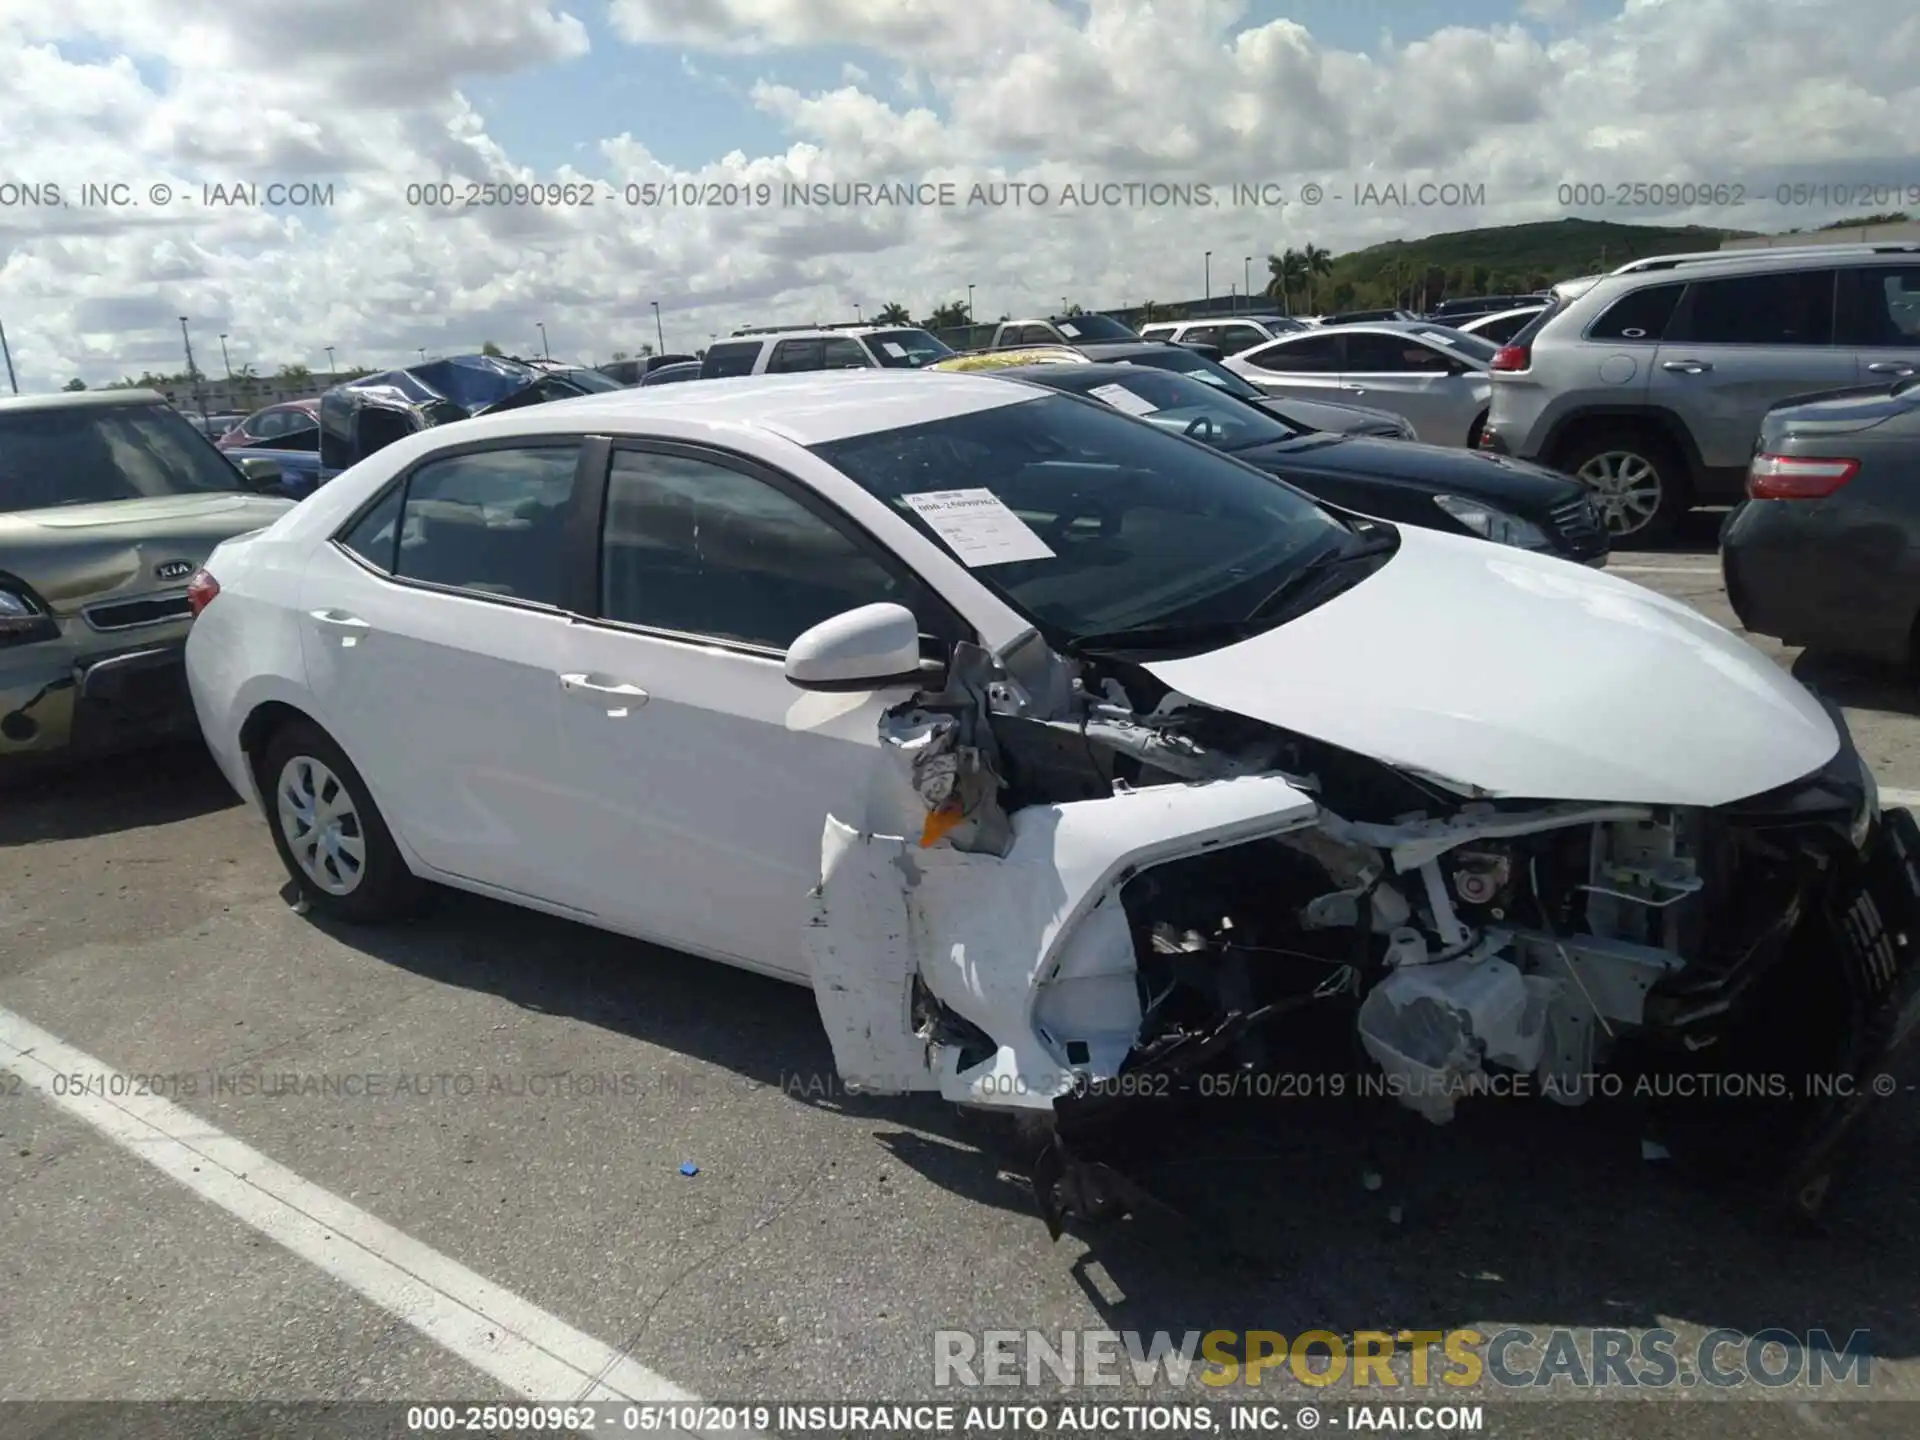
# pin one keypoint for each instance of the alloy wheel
(321, 825)
(1627, 490)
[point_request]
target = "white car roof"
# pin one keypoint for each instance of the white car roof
(810, 408)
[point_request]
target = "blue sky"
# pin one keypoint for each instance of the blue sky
(691, 108)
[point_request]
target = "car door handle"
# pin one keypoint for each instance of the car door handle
(601, 690)
(1890, 367)
(1686, 367)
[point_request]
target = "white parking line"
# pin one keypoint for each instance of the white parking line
(535, 1354)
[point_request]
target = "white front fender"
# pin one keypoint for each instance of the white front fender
(1032, 947)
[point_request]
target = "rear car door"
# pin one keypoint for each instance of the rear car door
(1404, 374)
(1304, 366)
(702, 778)
(842, 352)
(1879, 321)
(1739, 345)
(430, 632)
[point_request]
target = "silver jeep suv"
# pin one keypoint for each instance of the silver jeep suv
(1650, 383)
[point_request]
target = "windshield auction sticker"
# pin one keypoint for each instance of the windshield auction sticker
(1121, 398)
(979, 527)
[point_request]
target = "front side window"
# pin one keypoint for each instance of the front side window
(491, 521)
(1880, 307)
(1142, 527)
(699, 549)
(1232, 339)
(85, 454)
(1794, 307)
(842, 353)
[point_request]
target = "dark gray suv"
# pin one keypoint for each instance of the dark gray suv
(1651, 383)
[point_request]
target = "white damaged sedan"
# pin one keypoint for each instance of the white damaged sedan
(1059, 754)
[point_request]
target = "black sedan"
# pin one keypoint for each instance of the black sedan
(1825, 553)
(1436, 487)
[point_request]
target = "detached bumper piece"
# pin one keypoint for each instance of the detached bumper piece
(126, 699)
(1878, 935)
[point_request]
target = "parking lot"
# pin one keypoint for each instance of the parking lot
(517, 1098)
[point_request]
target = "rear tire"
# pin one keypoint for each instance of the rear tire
(330, 834)
(1638, 479)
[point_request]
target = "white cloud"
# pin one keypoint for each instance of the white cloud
(368, 96)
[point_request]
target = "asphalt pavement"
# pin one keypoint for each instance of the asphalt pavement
(489, 1154)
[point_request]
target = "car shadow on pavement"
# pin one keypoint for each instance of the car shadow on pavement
(1287, 1214)
(73, 800)
(1858, 684)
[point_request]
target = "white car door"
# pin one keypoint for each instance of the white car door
(432, 631)
(702, 777)
(1306, 367)
(1435, 391)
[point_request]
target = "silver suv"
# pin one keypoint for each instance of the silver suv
(1650, 383)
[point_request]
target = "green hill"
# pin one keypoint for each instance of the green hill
(1501, 259)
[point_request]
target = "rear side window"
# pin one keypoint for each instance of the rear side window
(492, 521)
(374, 537)
(792, 355)
(1642, 315)
(1793, 307)
(1315, 355)
(729, 357)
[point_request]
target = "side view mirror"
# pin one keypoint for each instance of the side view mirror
(870, 648)
(260, 472)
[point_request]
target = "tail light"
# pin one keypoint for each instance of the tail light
(1797, 477)
(1511, 357)
(200, 591)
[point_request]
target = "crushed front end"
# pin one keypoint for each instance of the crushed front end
(1084, 895)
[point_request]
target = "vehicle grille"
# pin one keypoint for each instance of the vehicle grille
(126, 614)
(1577, 523)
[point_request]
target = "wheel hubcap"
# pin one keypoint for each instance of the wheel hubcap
(1626, 489)
(321, 825)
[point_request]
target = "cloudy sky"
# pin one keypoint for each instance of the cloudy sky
(1510, 98)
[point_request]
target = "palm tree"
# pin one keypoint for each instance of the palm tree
(894, 313)
(1074, 309)
(950, 316)
(1316, 263)
(487, 347)
(1285, 272)
(75, 384)
(1146, 311)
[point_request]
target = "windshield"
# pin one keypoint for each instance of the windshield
(591, 381)
(1180, 403)
(84, 454)
(1139, 527)
(1183, 361)
(906, 349)
(1078, 328)
(1472, 346)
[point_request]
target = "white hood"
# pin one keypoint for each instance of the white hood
(1527, 677)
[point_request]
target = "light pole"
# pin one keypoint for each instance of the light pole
(193, 375)
(224, 361)
(545, 353)
(1246, 275)
(856, 312)
(421, 350)
(1207, 294)
(658, 333)
(969, 304)
(9, 354)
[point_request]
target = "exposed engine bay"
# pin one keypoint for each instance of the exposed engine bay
(1081, 879)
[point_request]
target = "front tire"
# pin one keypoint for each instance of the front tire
(330, 834)
(1638, 481)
